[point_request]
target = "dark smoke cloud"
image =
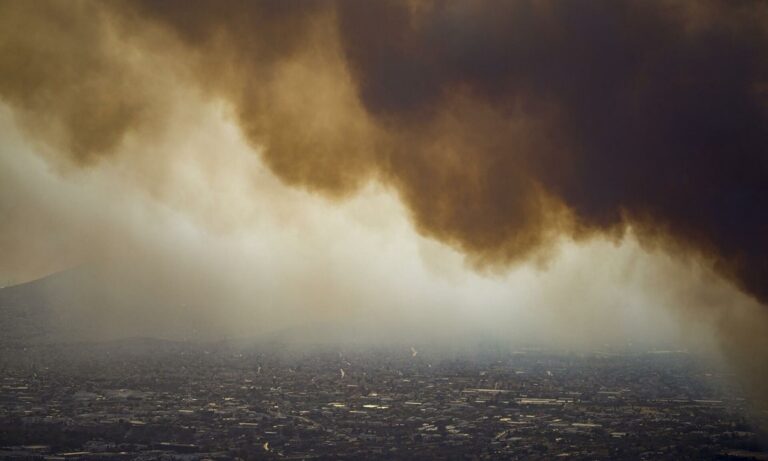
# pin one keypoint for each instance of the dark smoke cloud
(649, 113)
(502, 124)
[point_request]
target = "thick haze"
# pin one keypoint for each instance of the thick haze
(577, 172)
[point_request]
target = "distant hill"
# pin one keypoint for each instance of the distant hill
(27, 310)
(35, 313)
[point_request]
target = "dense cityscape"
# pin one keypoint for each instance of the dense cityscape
(149, 399)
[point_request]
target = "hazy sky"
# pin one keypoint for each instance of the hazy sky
(569, 173)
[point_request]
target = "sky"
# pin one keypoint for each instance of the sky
(572, 174)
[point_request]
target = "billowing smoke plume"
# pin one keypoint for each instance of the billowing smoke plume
(650, 113)
(502, 125)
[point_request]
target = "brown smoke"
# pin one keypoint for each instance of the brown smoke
(61, 73)
(505, 124)
(501, 124)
